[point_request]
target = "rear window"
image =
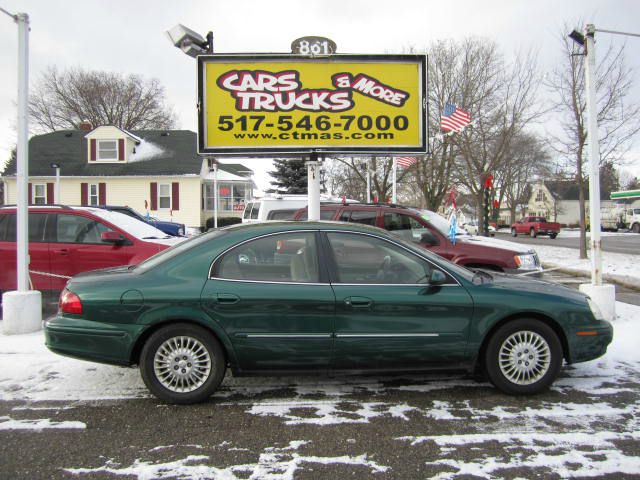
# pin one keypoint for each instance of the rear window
(247, 210)
(284, 214)
(255, 210)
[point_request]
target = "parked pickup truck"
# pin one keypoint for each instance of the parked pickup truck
(534, 226)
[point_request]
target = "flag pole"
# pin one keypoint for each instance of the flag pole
(394, 199)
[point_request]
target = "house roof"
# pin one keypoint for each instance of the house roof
(569, 190)
(174, 153)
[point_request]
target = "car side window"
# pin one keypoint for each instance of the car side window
(363, 259)
(365, 217)
(287, 257)
(36, 221)
(78, 229)
(404, 226)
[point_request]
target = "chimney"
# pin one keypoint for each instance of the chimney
(85, 126)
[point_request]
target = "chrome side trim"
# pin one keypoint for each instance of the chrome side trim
(276, 335)
(265, 281)
(385, 335)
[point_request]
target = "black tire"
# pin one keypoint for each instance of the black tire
(532, 233)
(553, 235)
(193, 344)
(509, 343)
(635, 228)
(514, 233)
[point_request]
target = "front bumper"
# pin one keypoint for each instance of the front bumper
(88, 340)
(589, 343)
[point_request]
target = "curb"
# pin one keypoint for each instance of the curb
(631, 283)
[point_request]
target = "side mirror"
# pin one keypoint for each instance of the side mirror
(112, 237)
(437, 278)
(429, 239)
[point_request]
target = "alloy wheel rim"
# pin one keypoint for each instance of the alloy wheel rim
(182, 364)
(524, 357)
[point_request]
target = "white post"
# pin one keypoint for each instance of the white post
(57, 193)
(313, 188)
(603, 295)
(368, 183)
(395, 169)
(22, 309)
(22, 236)
(594, 156)
(215, 195)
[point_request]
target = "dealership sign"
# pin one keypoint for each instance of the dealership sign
(266, 104)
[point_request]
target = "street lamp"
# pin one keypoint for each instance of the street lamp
(57, 192)
(22, 309)
(603, 295)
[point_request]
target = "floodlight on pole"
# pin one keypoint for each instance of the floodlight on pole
(577, 37)
(189, 41)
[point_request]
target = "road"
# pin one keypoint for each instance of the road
(611, 242)
(383, 427)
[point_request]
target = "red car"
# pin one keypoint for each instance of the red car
(64, 241)
(534, 226)
(431, 231)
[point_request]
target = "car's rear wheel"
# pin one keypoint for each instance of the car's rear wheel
(553, 235)
(532, 233)
(523, 356)
(182, 363)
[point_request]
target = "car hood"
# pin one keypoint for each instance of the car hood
(524, 283)
(494, 243)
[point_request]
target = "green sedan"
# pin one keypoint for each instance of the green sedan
(319, 297)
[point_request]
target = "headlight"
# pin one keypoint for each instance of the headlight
(527, 261)
(595, 309)
(181, 232)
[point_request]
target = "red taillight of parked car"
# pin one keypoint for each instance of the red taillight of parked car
(69, 303)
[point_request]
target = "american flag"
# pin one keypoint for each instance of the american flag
(405, 162)
(453, 118)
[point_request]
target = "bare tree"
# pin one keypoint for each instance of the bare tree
(618, 117)
(501, 98)
(61, 100)
(526, 160)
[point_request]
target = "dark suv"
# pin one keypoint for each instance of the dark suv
(431, 231)
(170, 228)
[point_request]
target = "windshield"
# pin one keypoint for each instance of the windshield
(439, 223)
(170, 253)
(133, 226)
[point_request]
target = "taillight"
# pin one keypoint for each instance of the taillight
(70, 302)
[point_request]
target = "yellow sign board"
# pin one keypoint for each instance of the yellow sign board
(289, 103)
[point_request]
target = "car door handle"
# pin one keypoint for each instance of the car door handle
(63, 251)
(228, 298)
(358, 302)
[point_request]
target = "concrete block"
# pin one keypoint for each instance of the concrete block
(21, 312)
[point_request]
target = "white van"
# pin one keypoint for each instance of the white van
(277, 207)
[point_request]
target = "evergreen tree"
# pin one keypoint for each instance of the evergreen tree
(289, 176)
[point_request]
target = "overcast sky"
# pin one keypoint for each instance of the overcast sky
(128, 36)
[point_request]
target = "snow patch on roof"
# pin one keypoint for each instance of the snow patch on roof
(145, 150)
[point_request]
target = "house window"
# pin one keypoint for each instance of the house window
(231, 198)
(541, 197)
(39, 194)
(107, 150)
(94, 198)
(164, 195)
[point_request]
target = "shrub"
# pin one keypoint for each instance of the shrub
(223, 222)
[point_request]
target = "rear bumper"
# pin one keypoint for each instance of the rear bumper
(87, 340)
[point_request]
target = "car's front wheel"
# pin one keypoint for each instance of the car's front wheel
(523, 356)
(514, 233)
(182, 363)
